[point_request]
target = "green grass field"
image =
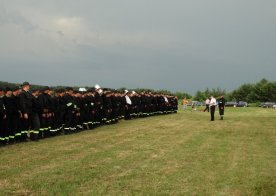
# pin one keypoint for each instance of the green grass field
(178, 154)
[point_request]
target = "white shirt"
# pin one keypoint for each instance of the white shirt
(213, 102)
(128, 100)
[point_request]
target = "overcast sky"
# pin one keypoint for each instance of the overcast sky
(178, 45)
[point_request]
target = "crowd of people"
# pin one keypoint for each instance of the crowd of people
(32, 115)
(210, 106)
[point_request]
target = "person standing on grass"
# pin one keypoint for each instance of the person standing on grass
(207, 103)
(3, 117)
(213, 103)
(30, 117)
(184, 103)
(221, 104)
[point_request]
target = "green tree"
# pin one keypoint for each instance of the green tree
(199, 96)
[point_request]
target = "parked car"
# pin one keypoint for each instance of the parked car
(196, 103)
(267, 104)
(231, 104)
(242, 104)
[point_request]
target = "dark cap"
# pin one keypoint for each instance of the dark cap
(91, 90)
(26, 84)
(68, 88)
(8, 89)
(46, 88)
(34, 90)
(60, 90)
(16, 88)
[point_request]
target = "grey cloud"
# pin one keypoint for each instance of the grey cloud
(177, 45)
(16, 19)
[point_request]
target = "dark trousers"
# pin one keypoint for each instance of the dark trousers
(4, 136)
(212, 112)
(68, 122)
(100, 115)
(207, 108)
(15, 127)
(24, 127)
(221, 110)
(31, 125)
(58, 121)
(11, 127)
(128, 112)
(44, 130)
(35, 126)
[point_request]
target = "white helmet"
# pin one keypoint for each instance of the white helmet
(82, 89)
(97, 87)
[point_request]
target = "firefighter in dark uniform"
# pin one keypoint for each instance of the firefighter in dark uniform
(146, 101)
(59, 108)
(36, 110)
(120, 99)
(11, 109)
(144, 105)
(135, 104)
(45, 101)
(80, 108)
(70, 110)
(51, 112)
(161, 104)
(108, 109)
(221, 105)
(30, 119)
(3, 116)
(100, 112)
(90, 110)
(86, 113)
(16, 114)
(115, 107)
(154, 104)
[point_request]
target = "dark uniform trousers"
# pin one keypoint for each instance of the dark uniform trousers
(15, 124)
(221, 110)
(3, 132)
(69, 115)
(31, 126)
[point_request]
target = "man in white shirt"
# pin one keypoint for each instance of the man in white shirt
(128, 106)
(213, 103)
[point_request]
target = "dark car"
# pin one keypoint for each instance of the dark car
(242, 104)
(195, 103)
(231, 104)
(267, 104)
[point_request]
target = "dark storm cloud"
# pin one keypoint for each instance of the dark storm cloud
(181, 45)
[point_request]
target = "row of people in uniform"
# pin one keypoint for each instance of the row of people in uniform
(44, 113)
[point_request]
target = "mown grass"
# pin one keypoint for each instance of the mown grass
(178, 154)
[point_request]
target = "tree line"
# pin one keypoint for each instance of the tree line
(262, 91)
